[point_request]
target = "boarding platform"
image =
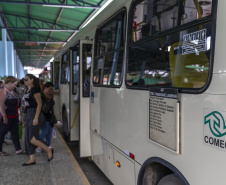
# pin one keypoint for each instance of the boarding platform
(62, 170)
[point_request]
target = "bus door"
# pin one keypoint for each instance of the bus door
(55, 79)
(74, 92)
(85, 73)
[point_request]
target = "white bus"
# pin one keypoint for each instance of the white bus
(155, 112)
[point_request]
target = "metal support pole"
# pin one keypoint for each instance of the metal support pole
(5, 56)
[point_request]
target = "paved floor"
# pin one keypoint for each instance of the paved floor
(62, 170)
(90, 169)
(94, 175)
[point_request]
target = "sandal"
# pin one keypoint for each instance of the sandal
(20, 152)
(3, 154)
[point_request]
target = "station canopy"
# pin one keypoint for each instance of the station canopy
(39, 28)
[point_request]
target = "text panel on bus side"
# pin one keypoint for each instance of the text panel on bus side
(163, 117)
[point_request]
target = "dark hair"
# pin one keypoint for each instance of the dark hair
(47, 84)
(1, 82)
(35, 80)
(22, 81)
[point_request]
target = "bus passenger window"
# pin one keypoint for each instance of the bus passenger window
(87, 59)
(108, 61)
(151, 17)
(65, 68)
(75, 68)
(56, 74)
(113, 68)
(179, 58)
(97, 70)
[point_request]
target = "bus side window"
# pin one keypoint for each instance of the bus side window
(151, 17)
(108, 61)
(178, 58)
(65, 68)
(87, 59)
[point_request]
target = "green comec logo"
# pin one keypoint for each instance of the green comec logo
(216, 123)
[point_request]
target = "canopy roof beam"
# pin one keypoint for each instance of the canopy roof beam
(35, 55)
(40, 25)
(36, 37)
(75, 4)
(38, 42)
(50, 35)
(38, 50)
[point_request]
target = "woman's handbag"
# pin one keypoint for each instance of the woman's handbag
(45, 104)
(53, 118)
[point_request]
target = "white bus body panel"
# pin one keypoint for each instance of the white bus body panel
(98, 152)
(121, 116)
(219, 52)
(120, 122)
(125, 174)
(195, 159)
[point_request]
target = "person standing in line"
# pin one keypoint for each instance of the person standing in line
(9, 104)
(21, 90)
(1, 87)
(47, 126)
(34, 120)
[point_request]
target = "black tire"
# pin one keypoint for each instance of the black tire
(66, 133)
(171, 179)
(154, 173)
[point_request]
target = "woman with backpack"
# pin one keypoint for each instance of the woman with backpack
(33, 103)
(47, 109)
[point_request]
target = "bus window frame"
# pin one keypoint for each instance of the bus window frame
(212, 19)
(64, 82)
(53, 73)
(121, 11)
(84, 70)
(72, 70)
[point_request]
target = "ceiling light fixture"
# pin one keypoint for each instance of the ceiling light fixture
(69, 6)
(58, 6)
(52, 59)
(56, 30)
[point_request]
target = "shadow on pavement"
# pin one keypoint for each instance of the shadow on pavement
(90, 169)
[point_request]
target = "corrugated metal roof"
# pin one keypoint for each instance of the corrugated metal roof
(39, 31)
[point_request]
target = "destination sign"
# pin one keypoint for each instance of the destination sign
(164, 117)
